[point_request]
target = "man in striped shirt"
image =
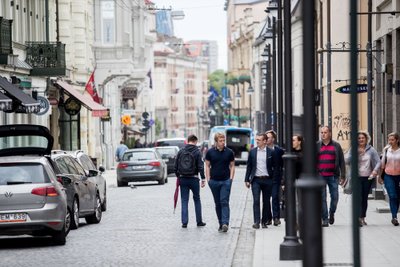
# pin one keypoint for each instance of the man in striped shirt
(331, 168)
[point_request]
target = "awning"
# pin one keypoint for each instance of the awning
(5, 102)
(97, 109)
(27, 103)
(134, 129)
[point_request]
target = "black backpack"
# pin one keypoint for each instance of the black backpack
(186, 164)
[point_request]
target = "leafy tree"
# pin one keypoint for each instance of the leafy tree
(217, 80)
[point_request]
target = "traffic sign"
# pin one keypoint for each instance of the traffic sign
(126, 120)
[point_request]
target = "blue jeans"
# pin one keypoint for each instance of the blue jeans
(333, 185)
(221, 190)
(187, 184)
(393, 190)
(264, 186)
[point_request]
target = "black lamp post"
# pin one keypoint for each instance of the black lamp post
(228, 106)
(271, 34)
(309, 183)
(275, 7)
(238, 97)
(250, 91)
(290, 248)
(267, 78)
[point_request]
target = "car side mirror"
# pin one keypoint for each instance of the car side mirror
(102, 169)
(93, 173)
(64, 180)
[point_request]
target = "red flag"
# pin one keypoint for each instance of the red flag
(91, 88)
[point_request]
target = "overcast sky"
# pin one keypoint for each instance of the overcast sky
(204, 19)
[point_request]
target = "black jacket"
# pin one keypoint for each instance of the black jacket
(194, 150)
(273, 165)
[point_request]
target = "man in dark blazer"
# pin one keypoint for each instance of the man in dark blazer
(277, 153)
(262, 169)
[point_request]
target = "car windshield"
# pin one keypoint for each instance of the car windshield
(178, 143)
(139, 156)
(23, 141)
(22, 174)
(167, 151)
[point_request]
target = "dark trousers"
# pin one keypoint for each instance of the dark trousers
(276, 199)
(263, 186)
(187, 184)
(221, 190)
(365, 188)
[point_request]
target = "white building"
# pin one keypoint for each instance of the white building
(124, 56)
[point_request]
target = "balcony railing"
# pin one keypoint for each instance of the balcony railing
(46, 59)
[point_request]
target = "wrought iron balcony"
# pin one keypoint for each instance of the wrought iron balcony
(46, 59)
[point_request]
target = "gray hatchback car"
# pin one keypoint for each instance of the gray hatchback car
(141, 164)
(32, 201)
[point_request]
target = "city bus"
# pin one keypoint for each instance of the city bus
(239, 139)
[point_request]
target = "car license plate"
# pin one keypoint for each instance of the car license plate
(138, 167)
(12, 217)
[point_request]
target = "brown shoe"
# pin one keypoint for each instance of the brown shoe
(277, 222)
(395, 222)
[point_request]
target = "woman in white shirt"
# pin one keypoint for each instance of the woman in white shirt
(368, 168)
(391, 173)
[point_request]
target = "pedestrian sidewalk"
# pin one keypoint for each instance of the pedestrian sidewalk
(379, 240)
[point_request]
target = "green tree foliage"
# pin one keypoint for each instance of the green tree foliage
(217, 80)
(158, 127)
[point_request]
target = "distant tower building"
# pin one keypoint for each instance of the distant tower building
(206, 49)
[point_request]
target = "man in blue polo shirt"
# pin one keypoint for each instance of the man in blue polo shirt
(220, 170)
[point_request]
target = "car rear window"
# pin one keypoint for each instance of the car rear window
(23, 141)
(167, 151)
(22, 174)
(139, 156)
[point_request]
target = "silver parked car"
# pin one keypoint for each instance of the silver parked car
(99, 180)
(83, 197)
(141, 164)
(32, 201)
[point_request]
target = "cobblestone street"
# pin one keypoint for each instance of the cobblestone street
(140, 229)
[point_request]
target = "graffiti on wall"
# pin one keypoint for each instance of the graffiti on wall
(342, 125)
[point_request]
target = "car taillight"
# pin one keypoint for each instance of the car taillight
(155, 164)
(122, 165)
(48, 191)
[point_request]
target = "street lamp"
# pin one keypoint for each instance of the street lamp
(275, 8)
(271, 34)
(250, 91)
(228, 106)
(266, 71)
(238, 97)
(290, 248)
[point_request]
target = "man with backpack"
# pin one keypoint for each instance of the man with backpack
(188, 165)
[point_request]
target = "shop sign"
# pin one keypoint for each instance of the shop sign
(72, 106)
(361, 88)
(44, 105)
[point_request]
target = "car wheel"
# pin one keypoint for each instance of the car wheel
(59, 237)
(104, 204)
(68, 221)
(162, 181)
(120, 183)
(75, 214)
(96, 216)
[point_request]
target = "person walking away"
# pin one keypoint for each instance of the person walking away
(187, 167)
(220, 171)
(297, 145)
(390, 166)
(260, 171)
(120, 151)
(277, 152)
(331, 168)
(368, 168)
